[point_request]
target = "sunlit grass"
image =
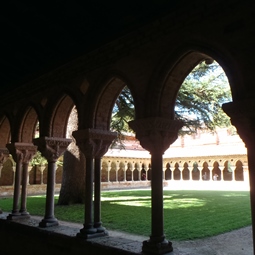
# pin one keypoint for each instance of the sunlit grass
(187, 214)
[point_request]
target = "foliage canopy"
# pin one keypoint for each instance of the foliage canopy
(198, 103)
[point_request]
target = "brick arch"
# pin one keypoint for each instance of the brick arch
(27, 127)
(60, 115)
(106, 101)
(170, 75)
(5, 131)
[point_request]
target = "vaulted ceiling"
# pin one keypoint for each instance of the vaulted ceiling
(42, 35)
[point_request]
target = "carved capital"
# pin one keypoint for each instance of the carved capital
(4, 154)
(22, 152)
(242, 116)
(94, 142)
(51, 147)
(156, 134)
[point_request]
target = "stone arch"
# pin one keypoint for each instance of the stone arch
(106, 101)
(238, 172)
(7, 173)
(149, 173)
(195, 172)
(227, 171)
(35, 175)
(136, 172)
(113, 172)
(176, 172)
(168, 172)
(57, 112)
(104, 172)
(121, 172)
(170, 75)
(216, 171)
(5, 131)
(185, 172)
(129, 172)
(206, 176)
(28, 126)
(143, 172)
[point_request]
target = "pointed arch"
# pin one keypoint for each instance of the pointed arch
(57, 116)
(28, 126)
(106, 100)
(175, 67)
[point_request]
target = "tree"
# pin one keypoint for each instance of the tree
(73, 180)
(200, 98)
(198, 104)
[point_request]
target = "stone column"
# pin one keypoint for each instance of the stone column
(242, 116)
(93, 144)
(22, 153)
(51, 148)
(4, 153)
(156, 135)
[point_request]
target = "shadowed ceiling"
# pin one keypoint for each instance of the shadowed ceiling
(42, 35)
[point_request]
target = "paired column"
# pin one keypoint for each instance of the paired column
(51, 148)
(22, 153)
(156, 135)
(93, 143)
(242, 116)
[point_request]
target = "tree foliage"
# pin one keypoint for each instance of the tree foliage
(198, 102)
(200, 98)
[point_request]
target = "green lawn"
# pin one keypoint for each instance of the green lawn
(187, 214)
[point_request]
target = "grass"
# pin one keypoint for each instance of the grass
(187, 214)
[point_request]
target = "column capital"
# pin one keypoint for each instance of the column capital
(242, 116)
(4, 153)
(22, 152)
(52, 147)
(94, 142)
(156, 134)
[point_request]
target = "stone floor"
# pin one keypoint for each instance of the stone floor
(237, 242)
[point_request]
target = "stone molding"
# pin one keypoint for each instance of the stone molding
(156, 134)
(52, 147)
(22, 152)
(94, 142)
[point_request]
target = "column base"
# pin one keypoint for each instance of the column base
(98, 226)
(150, 247)
(48, 223)
(88, 233)
(18, 216)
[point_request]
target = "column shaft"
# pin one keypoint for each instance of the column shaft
(157, 217)
(23, 207)
(51, 179)
(97, 196)
(88, 224)
(251, 161)
(15, 209)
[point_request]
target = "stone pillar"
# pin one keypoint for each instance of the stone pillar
(4, 153)
(242, 116)
(51, 148)
(22, 153)
(156, 135)
(93, 143)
